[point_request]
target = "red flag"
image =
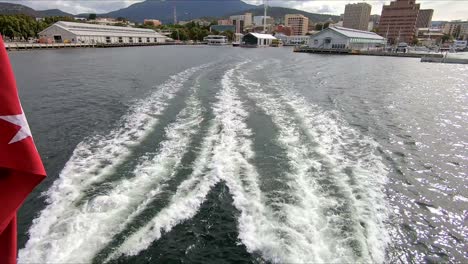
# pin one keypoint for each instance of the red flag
(21, 167)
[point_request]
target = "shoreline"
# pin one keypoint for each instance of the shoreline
(37, 46)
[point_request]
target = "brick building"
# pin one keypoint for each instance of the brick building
(398, 21)
(298, 23)
(357, 16)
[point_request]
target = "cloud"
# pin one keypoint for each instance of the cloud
(76, 6)
(444, 9)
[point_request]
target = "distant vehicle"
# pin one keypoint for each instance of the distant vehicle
(402, 47)
(460, 45)
(276, 43)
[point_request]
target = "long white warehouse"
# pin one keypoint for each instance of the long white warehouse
(346, 38)
(72, 32)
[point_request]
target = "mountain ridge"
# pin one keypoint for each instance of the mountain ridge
(15, 9)
(164, 10)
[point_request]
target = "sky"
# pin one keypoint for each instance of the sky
(443, 9)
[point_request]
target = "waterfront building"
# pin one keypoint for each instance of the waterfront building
(424, 18)
(357, 16)
(224, 22)
(299, 24)
(453, 28)
(152, 22)
(259, 20)
(285, 30)
(463, 31)
(257, 40)
(429, 36)
(73, 32)
(346, 38)
(398, 21)
(293, 40)
(105, 21)
(223, 28)
(241, 21)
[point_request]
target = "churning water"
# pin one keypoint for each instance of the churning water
(201, 154)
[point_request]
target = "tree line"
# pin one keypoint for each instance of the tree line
(24, 26)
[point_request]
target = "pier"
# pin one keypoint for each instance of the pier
(365, 53)
(30, 46)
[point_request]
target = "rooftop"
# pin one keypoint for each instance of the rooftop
(84, 29)
(354, 33)
(262, 36)
(75, 25)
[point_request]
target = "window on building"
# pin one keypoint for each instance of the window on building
(108, 40)
(120, 39)
(148, 40)
(140, 40)
(130, 39)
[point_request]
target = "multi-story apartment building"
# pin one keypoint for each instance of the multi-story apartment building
(241, 21)
(299, 24)
(357, 16)
(398, 21)
(424, 18)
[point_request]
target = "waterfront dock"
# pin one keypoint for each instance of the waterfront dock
(31, 46)
(445, 60)
(365, 53)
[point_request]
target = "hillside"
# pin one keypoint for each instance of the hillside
(186, 10)
(280, 12)
(53, 12)
(15, 9)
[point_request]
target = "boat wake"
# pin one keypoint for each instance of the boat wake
(331, 207)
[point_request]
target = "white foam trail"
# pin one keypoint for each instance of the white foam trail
(319, 240)
(348, 150)
(188, 198)
(66, 233)
(229, 160)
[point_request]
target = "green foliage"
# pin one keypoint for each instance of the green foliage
(92, 17)
(320, 26)
(24, 27)
(189, 31)
(447, 37)
(229, 34)
(415, 41)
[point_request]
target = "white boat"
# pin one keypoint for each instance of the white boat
(216, 40)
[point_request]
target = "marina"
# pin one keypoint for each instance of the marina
(158, 148)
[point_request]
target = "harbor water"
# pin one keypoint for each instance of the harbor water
(194, 154)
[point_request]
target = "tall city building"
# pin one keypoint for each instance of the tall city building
(398, 21)
(224, 22)
(299, 24)
(463, 31)
(374, 22)
(452, 28)
(259, 20)
(241, 21)
(424, 18)
(356, 16)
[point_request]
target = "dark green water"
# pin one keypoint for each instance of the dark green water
(229, 155)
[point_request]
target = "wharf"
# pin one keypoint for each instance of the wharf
(445, 60)
(365, 53)
(29, 46)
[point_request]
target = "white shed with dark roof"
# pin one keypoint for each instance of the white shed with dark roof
(346, 38)
(73, 32)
